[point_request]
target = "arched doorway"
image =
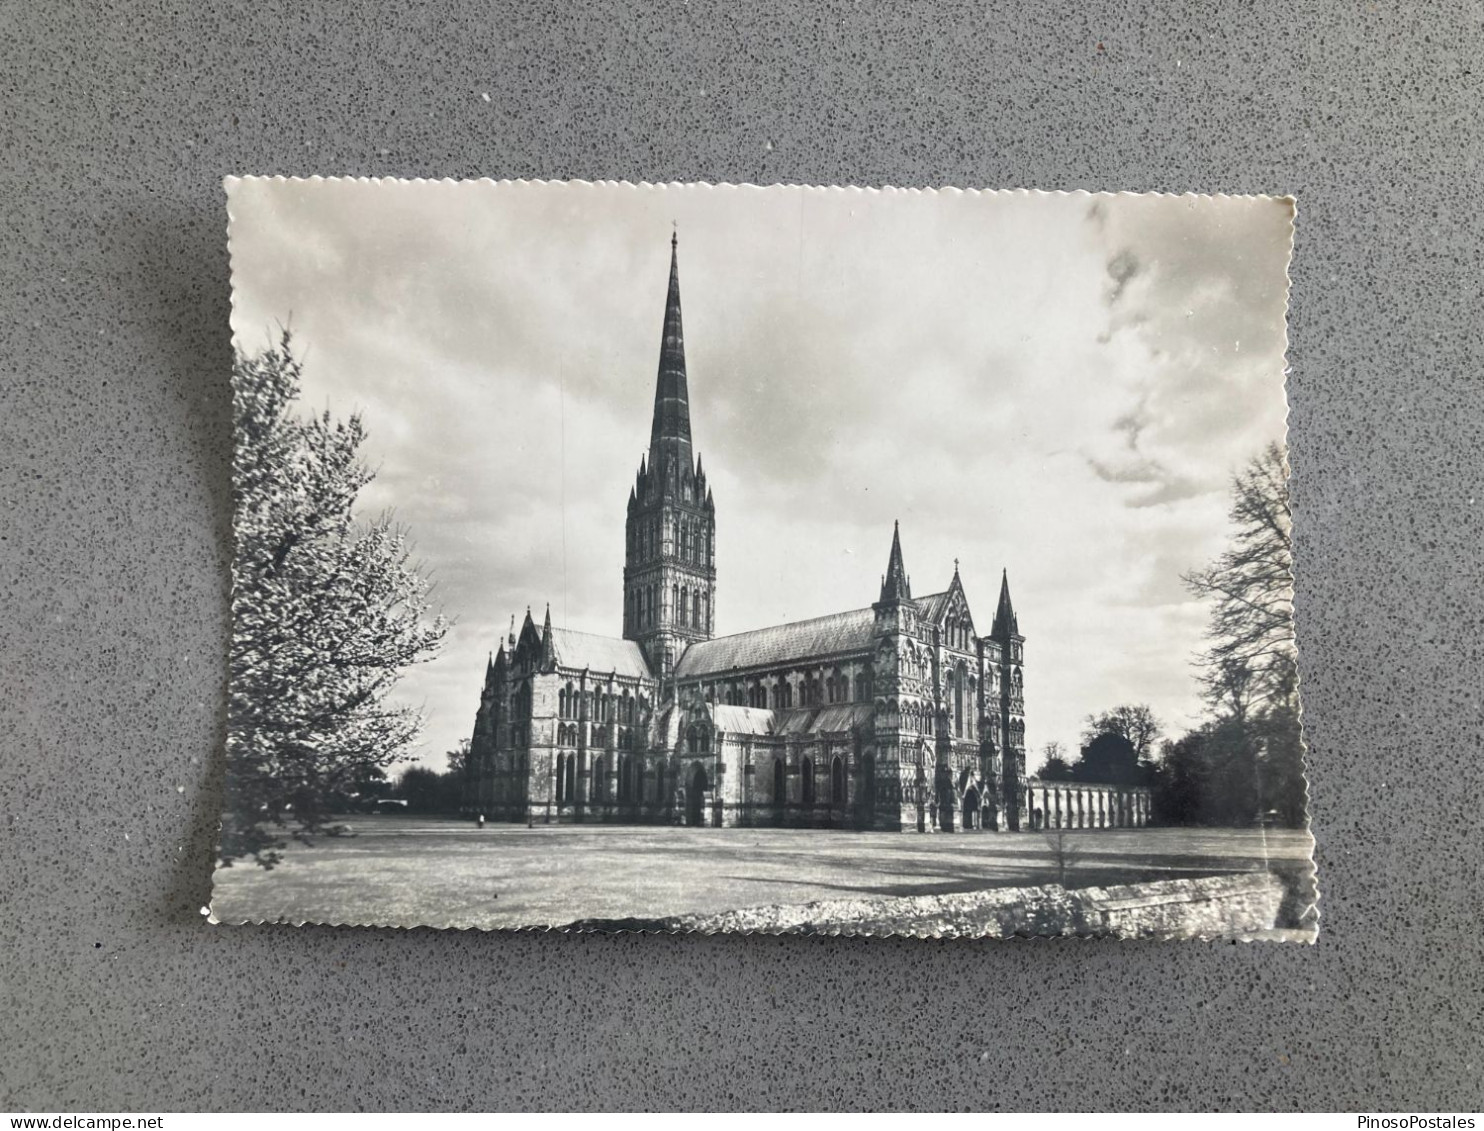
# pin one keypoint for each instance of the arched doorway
(695, 797)
(971, 808)
(945, 809)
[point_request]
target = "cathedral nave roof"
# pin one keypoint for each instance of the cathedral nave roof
(743, 720)
(600, 654)
(836, 719)
(932, 606)
(781, 644)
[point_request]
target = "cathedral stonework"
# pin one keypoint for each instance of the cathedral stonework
(895, 716)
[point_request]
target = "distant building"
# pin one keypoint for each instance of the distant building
(894, 716)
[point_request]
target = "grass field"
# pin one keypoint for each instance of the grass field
(405, 871)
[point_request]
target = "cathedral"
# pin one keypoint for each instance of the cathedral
(897, 715)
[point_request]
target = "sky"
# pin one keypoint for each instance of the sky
(1060, 386)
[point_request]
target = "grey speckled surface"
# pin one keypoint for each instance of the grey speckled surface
(119, 123)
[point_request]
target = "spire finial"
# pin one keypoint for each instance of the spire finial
(896, 586)
(1005, 621)
(669, 436)
(674, 236)
(548, 642)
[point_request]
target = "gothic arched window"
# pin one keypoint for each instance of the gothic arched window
(779, 782)
(806, 773)
(958, 702)
(837, 781)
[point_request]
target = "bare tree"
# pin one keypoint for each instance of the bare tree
(1054, 763)
(1252, 658)
(458, 758)
(1134, 722)
(1064, 854)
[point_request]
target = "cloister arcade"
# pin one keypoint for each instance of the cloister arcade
(1087, 805)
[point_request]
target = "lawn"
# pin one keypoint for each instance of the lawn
(408, 871)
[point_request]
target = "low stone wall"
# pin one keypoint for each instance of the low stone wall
(1243, 905)
(1214, 906)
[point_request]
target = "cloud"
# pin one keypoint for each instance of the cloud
(1056, 385)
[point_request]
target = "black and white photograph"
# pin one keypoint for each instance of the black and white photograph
(740, 559)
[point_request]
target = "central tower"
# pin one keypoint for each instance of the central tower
(669, 576)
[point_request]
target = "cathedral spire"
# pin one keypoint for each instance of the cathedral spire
(1005, 621)
(548, 644)
(669, 437)
(670, 534)
(896, 585)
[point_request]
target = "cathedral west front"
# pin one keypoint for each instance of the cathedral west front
(897, 715)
